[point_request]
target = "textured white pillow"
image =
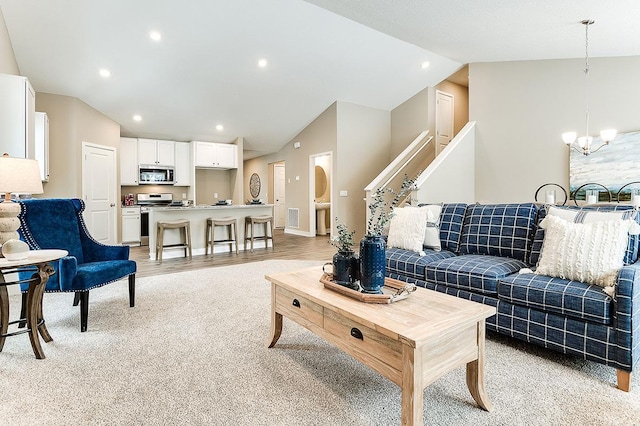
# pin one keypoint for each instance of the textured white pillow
(432, 234)
(407, 228)
(588, 252)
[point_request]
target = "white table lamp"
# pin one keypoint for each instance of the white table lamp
(17, 175)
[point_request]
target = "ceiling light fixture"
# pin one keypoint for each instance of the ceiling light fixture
(584, 142)
(425, 65)
(105, 73)
(155, 36)
(137, 117)
(220, 127)
(262, 63)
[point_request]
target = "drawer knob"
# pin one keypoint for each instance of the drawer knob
(357, 333)
(296, 303)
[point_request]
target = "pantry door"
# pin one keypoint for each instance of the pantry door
(99, 191)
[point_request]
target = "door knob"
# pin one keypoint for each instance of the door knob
(112, 205)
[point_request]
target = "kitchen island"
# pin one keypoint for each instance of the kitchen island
(197, 216)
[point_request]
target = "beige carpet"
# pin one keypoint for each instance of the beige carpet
(193, 352)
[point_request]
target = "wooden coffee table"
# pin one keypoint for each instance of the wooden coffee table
(411, 342)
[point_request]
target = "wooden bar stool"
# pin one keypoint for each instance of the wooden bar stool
(249, 222)
(231, 226)
(185, 230)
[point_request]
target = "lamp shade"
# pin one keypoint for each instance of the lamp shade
(19, 175)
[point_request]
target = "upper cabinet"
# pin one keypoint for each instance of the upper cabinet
(17, 116)
(42, 144)
(183, 166)
(128, 161)
(156, 152)
(215, 155)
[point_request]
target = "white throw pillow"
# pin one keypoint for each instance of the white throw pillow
(432, 234)
(407, 229)
(588, 252)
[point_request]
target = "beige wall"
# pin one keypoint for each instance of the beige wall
(408, 120)
(522, 108)
(260, 165)
(72, 122)
(8, 64)
(364, 143)
(210, 181)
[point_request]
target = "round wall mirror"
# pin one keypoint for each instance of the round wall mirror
(254, 185)
(321, 182)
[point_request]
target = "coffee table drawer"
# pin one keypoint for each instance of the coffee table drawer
(297, 308)
(361, 341)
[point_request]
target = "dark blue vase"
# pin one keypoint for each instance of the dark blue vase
(345, 268)
(372, 264)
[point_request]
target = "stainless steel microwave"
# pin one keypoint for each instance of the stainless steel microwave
(156, 175)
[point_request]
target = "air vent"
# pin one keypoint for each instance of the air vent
(294, 218)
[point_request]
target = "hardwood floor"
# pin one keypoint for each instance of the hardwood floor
(287, 246)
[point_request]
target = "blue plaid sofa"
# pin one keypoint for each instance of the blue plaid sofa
(484, 246)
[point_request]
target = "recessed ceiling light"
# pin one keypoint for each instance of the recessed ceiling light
(425, 65)
(156, 36)
(137, 117)
(105, 73)
(219, 127)
(262, 63)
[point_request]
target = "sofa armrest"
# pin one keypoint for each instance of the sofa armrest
(627, 316)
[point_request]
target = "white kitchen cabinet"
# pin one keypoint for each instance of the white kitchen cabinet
(42, 144)
(156, 152)
(129, 161)
(183, 167)
(131, 225)
(215, 155)
(17, 116)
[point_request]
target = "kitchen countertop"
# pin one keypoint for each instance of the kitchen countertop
(208, 207)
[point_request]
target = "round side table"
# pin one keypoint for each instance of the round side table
(38, 262)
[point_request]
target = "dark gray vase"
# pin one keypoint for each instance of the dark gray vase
(372, 263)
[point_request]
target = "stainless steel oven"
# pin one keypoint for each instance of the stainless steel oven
(146, 201)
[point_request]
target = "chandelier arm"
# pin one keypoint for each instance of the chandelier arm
(598, 149)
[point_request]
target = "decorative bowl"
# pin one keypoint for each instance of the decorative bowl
(15, 250)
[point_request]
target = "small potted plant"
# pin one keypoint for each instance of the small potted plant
(345, 261)
(373, 245)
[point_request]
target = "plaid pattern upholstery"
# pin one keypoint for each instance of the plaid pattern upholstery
(463, 294)
(565, 297)
(451, 219)
(604, 344)
(595, 342)
(411, 264)
(503, 230)
(472, 272)
(631, 255)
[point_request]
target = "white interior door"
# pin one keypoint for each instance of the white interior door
(99, 191)
(444, 120)
(278, 195)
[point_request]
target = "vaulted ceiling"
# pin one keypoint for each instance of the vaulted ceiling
(204, 70)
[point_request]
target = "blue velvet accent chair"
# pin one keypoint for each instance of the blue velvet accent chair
(58, 224)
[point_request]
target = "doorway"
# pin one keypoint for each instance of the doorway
(99, 191)
(444, 120)
(321, 201)
(279, 194)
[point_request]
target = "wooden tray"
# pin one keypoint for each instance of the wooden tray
(392, 291)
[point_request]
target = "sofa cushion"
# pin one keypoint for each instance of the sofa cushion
(588, 252)
(565, 297)
(587, 214)
(432, 233)
(503, 230)
(451, 219)
(411, 264)
(472, 272)
(407, 228)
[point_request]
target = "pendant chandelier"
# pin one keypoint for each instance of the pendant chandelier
(583, 143)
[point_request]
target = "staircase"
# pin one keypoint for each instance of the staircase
(449, 177)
